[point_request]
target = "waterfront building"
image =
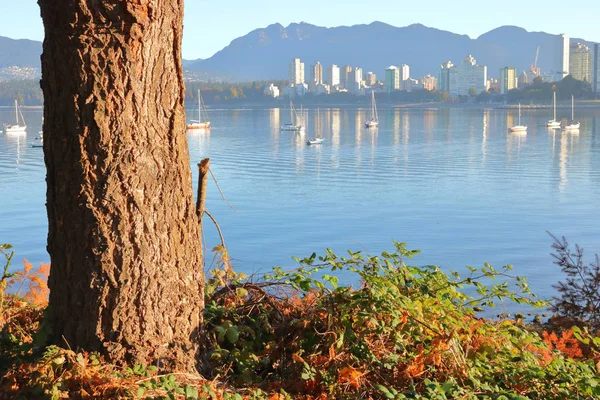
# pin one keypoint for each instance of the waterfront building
(333, 76)
(411, 84)
(296, 72)
(371, 79)
(356, 84)
(508, 79)
(271, 91)
(596, 69)
(493, 85)
(467, 76)
(404, 77)
(429, 82)
(561, 52)
(444, 77)
(346, 77)
(392, 79)
(580, 62)
(316, 74)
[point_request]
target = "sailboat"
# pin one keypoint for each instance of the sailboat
(295, 124)
(316, 139)
(572, 126)
(17, 128)
(198, 124)
(373, 120)
(519, 128)
(553, 123)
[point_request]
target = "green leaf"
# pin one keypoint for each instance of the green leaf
(232, 335)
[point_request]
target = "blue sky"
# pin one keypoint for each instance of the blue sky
(212, 25)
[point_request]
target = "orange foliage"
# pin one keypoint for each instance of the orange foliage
(36, 280)
(566, 344)
(351, 376)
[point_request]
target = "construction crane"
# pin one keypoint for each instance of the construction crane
(535, 70)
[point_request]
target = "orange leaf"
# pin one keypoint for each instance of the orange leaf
(351, 376)
(331, 352)
(297, 358)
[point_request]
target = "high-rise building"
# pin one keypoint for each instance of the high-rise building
(463, 78)
(429, 82)
(371, 79)
(508, 79)
(580, 62)
(316, 74)
(333, 76)
(493, 85)
(444, 77)
(561, 57)
(596, 69)
(345, 77)
(404, 77)
(392, 79)
(296, 72)
(356, 81)
(404, 72)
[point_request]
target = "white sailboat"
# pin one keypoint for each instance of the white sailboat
(199, 124)
(553, 123)
(317, 139)
(373, 120)
(572, 125)
(17, 127)
(519, 128)
(295, 124)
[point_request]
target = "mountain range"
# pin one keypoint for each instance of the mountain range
(265, 53)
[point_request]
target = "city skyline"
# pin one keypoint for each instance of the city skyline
(21, 20)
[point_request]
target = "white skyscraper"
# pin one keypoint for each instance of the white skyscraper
(333, 76)
(404, 76)
(296, 72)
(562, 61)
(316, 74)
(469, 75)
(357, 78)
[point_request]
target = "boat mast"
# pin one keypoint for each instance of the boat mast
(16, 112)
(554, 106)
(375, 108)
(199, 108)
(572, 108)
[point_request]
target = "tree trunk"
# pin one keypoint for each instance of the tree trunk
(126, 276)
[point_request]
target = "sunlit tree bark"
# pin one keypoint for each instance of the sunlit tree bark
(124, 242)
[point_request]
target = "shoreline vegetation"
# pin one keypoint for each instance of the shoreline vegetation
(407, 332)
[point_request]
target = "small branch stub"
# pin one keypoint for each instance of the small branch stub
(203, 169)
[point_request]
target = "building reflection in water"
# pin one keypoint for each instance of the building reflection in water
(19, 140)
(429, 116)
(358, 127)
(335, 127)
(484, 138)
(275, 123)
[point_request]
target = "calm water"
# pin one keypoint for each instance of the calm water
(451, 182)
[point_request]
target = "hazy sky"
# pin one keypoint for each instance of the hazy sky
(212, 25)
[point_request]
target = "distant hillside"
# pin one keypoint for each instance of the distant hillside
(265, 53)
(20, 53)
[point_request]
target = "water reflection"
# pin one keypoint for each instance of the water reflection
(484, 137)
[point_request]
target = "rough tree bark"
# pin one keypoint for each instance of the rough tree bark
(124, 242)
